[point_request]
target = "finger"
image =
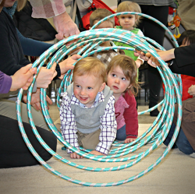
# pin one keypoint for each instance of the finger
(37, 106)
(29, 81)
(25, 87)
(29, 75)
(49, 101)
(26, 68)
(34, 106)
(73, 156)
(59, 36)
(75, 57)
(73, 32)
(54, 75)
(33, 70)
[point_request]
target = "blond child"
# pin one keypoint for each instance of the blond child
(129, 22)
(121, 78)
(87, 110)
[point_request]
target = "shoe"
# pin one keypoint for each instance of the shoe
(154, 113)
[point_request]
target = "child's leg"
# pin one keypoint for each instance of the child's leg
(88, 140)
(121, 133)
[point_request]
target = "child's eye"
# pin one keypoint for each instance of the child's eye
(77, 86)
(123, 78)
(89, 88)
(123, 17)
(113, 75)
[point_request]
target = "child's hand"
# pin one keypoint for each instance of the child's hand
(75, 156)
(96, 153)
(191, 90)
(129, 140)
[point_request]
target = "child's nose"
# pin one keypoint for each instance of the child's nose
(117, 80)
(82, 92)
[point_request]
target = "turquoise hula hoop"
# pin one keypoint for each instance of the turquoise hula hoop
(159, 129)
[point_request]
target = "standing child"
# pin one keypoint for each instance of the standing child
(129, 22)
(130, 114)
(121, 78)
(87, 110)
(95, 17)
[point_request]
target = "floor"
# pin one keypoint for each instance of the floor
(174, 175)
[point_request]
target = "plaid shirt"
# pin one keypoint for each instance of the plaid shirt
(106, 56)
(108, 125)
(47, 8)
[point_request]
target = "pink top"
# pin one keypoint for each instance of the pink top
(120, 106)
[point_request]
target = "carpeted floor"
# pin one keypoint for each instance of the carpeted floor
(174, 175)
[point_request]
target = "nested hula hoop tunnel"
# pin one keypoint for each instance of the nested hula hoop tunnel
(159, 129)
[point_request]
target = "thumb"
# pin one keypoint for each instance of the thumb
(31, 72)
(53, 67)
(49, 101)
(26, 68)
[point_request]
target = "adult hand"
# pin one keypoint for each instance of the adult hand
(75, 156)
(35, 100)
(140, 54)
(45, 76)
(68, 64)
(151, 60)
(23, 78)
(65, 26)
(191, 90)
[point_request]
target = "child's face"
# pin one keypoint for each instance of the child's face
(127, 21)
(117, 81)
(86, 88)
(105, 24)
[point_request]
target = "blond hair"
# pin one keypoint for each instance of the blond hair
(126, 6)
(127, 64)
(90, 66)
(99, 14)
(21, 4)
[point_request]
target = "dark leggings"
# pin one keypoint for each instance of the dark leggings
(155, 32)
(13, 150)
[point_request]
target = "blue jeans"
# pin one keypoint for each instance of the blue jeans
(121, 133)
(181, 142)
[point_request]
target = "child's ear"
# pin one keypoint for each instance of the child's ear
(102, 87)
(89, 28)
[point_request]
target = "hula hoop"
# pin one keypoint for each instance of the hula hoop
(161, 125)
